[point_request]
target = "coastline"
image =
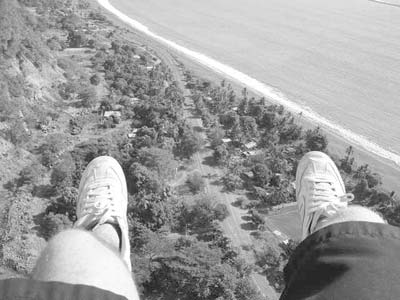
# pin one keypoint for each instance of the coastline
(337, 143)
(386, 3)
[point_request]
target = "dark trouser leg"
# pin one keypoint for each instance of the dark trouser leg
(350, 260)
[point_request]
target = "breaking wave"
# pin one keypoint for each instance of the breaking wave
(261, 88)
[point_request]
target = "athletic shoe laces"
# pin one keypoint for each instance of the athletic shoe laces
(325, 200)
(100, 205)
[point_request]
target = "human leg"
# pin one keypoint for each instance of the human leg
(347, 252)
(79, 257)
(348, 260)
(352, 213)
(97, 251)
(109, 235)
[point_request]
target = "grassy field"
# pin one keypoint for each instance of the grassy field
(288, 222)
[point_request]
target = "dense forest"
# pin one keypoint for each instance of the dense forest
(74, 86)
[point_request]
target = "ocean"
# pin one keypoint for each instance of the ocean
(335, 62)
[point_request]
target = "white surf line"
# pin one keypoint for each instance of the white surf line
(385, 3)
(259, 87)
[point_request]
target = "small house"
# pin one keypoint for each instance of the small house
(133, 133)
(112, 113)
(250, 145)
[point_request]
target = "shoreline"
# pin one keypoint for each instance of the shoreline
(337, 143)
(385, 3)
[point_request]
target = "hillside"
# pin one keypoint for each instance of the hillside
(206, 166)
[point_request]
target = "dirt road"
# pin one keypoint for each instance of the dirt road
(232, 225)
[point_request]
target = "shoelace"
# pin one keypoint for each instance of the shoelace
(100, 203)
(326, 201)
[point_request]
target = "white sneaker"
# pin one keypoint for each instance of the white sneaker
(320, 191)
(103, 198)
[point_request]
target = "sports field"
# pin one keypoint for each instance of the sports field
(287, 220)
